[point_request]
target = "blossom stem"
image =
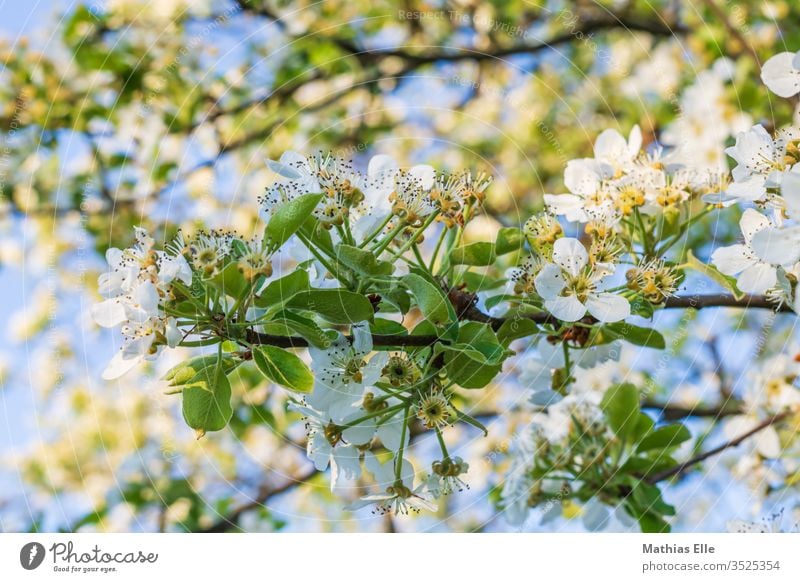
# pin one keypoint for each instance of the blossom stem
(398, 467)
(381, 246)
(437, 248)
(683, 228)
(419, 258)
(442, 446)
(431, 217)
(369, 415)
(645, 238)
(567, 364)
(377, 231)
(325, 263)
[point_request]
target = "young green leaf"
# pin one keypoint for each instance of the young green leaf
(639, 336)
(509, 240)
(516, 328)
(207, 401)
(284, 368)
(361, 262)
(478, 254)
(621, 407)
(283, 289)
(288, 323)
(334, 305)
(665, 437)
(289, 217)
(187, 371)
(431, 300)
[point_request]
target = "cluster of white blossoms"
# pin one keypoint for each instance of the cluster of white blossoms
(138, 283)
(565, 430)
(766, 176)
(621, 180)
(360, 202)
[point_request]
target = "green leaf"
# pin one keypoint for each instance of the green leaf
(516, 328)
(317, 234)
(283, 289)
(714, 274)
(481, 338)
(478, 254)
(665, 437)
(187, 371)
(284, 368)
(288, 323)
(644, 466)
(476, 358)
(640, 336)
(289, 217)
(648, 497)
(641, 306)
(464, 417)
(652, 523)
(621, 407)
(361, 262)
(207, 401)
(496, 300)
(383, 326)
(644, 426)
(431, 300)
(481, 282)
(509, 239)
(334, 305)
(393, 296)
(231, 281)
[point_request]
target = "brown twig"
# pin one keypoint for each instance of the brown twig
(231, 520)
(678, 469)
(467, 310)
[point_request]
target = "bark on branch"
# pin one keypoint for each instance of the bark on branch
(679, 469)
(467, 310)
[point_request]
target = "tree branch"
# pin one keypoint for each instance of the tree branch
(467, 310)
(231, 520)
(677, 412)
(678, 469)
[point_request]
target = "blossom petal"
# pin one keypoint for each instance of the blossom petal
(610, 146)
(119, 366)
(790, 190)
(780, 75)
(566, 308)
(777, 246)
(550, 281)
(608, 307)
(390, 431)
(582, 176)
(569, 205)
(752, 221)
(570, 254)
(751, 188)
(733, 259)
(757, 278)
(359, 434)
(425, 174)
(768, 443)
(108, 313)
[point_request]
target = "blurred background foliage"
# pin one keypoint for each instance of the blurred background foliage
(161, 114)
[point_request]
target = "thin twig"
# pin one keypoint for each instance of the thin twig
(678, 469)
(466, 310)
